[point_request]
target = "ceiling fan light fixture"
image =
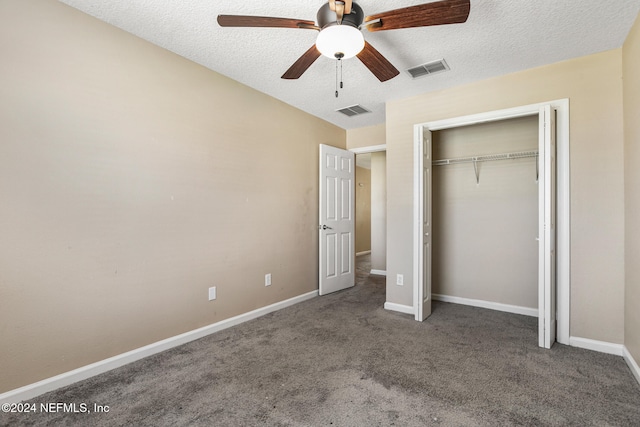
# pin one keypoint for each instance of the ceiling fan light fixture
(340, 41)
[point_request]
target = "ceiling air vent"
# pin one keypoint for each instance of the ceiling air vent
(354, 110)
(428, 68)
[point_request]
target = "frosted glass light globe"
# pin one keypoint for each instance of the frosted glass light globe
(340, 39)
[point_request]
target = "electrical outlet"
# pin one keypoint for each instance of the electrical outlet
(399, 280)
(267, 279)
(212, 293)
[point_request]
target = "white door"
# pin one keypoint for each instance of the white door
(337, 219)
(422, 292)
(547, 228)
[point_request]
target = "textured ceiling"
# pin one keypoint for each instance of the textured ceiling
(500, 37)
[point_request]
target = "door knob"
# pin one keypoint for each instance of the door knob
(326, 227)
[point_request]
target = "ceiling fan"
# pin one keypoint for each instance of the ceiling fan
(339, 23)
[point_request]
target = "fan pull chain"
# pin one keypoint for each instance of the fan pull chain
(337, 60)
(341, 83)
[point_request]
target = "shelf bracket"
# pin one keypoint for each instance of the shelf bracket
(475, 169)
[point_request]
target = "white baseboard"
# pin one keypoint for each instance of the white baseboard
(526, 311)
(378, 272)
(609, 348)
(633, 365)
(363, 253)
(599, 346)
(406, 309)
(32, 390)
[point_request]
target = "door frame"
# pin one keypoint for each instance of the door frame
(369, 149)
(563, 190)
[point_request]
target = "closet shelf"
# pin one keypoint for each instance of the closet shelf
(485, 158)
(488, 158)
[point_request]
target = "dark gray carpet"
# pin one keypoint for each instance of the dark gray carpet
(343, 360)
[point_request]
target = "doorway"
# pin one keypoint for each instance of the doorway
(363, 204)
(550, 239)
(374, 159)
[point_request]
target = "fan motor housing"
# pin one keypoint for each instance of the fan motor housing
(327, 17)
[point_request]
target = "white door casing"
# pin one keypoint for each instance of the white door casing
(547, 227)
(422, 292)
(337, 219)
(556, 289)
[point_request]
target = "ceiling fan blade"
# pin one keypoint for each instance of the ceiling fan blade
(376, 63)
(423, 15)
(302, 64)
(264, 21)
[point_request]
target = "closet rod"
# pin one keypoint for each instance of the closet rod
(485, 158)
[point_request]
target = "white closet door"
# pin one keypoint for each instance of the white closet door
(547, 228)
(422, 292)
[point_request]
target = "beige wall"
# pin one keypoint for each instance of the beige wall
(631, 75)
(366, 137)
(379, 211)
(131, 180)
(363, 209)
(594, 87)
(484, 234)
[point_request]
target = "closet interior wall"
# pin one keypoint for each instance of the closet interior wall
(485, 223)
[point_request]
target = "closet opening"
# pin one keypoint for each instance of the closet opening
(553, 217)
(485, 215)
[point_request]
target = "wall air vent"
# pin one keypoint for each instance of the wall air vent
(429, 68)
(354, 110)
